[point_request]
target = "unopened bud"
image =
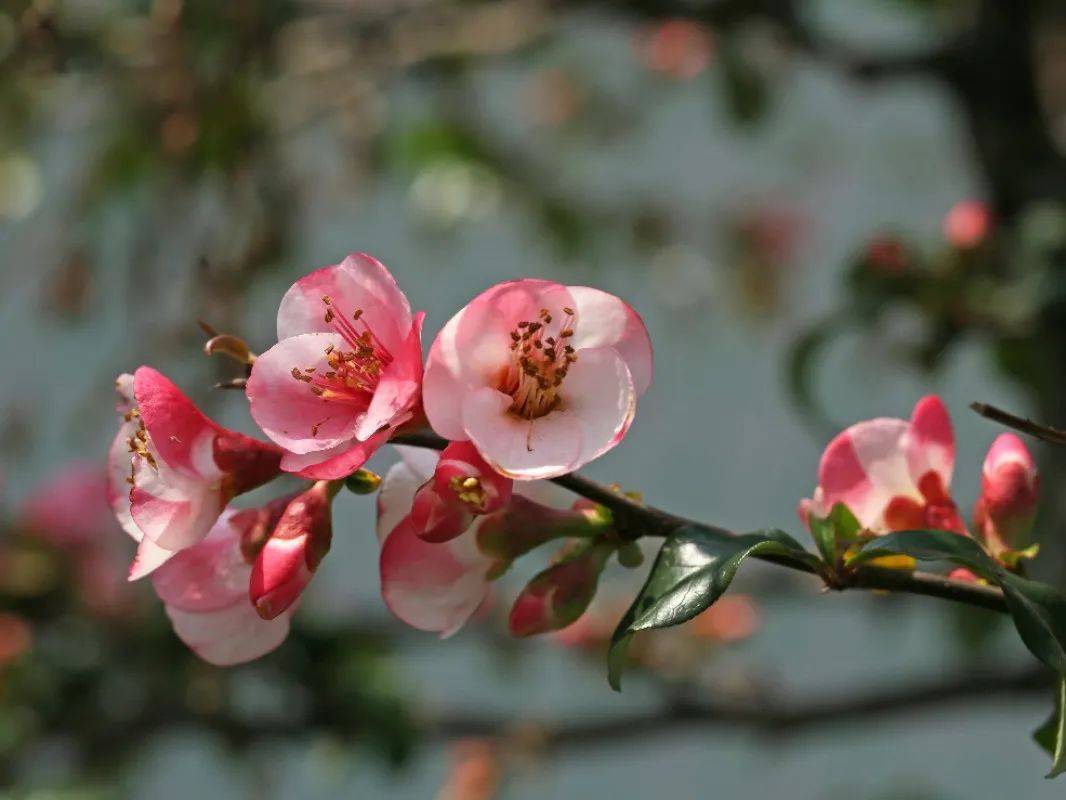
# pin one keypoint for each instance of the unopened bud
(229, 345)
(630, 555)
(556, 597)
(1010, 486)
(362, 481)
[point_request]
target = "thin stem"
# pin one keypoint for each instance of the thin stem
(635, 520)
(1045, 432)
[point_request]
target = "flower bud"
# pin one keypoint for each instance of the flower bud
(560, 594)
(288, 560)
(1010, 484)
(362, 481)
(968, 224)
(463, 486)
(524, 525)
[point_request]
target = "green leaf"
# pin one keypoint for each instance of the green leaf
(1039, 613)
(694, 567)
(1052, 734)
(929, 546)
(839, 528)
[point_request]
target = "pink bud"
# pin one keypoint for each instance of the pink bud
(1009, 489)
(560, 594)
(968, 224)
(293, 552)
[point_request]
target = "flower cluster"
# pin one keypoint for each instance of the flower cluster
(895, 475)
(531, 380)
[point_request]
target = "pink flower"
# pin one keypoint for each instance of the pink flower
(541, 377)
(968, 224)
(345, 373)
(172, 470)
(439, 586)
(288, 559)
(560, 594)
(70, 509)
(1010, 486)
(205, 591)
(463, 486)
(892, 474)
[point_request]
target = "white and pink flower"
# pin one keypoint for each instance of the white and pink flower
(345, 373)
(205, 591)
(1010, 486)
(540, 377)
(172, 470)
(892, 474)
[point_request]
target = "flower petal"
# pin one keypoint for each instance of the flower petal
(864, 467)
(208, 576)
(286, 409)
(398, 489)
(519, 448)
(230, 635)
(149, 558)
(171, 509)
(180, 433)
(930, 441)
(432, 587)
(600, 395)
(339, 462)
(606, 320)
(398, 388)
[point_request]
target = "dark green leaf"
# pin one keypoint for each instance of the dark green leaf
(929, 546)
(838, 529)
(1052, 734)
(693, 568)
(1039, 613)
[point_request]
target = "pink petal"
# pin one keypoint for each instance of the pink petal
(173, 511)
(1007, 449)
(149, 558)
(398, 388)
(119, 469)
(230, 635)
(208, 576)
(930, 441)
(609, 321)
(398, 489)
(338, 462)
(864, 467)
(360, 282)
(519, 448)
(599, 393)
(286, 409)
(432, 587)
(474, 346)
(180, 433)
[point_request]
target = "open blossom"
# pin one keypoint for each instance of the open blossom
(288, 559)
(1005, 511)
(172, 470)
(541, 377)
(892, 474)
(463, 486)
(345, 373)
(438, 586)
(205, 591)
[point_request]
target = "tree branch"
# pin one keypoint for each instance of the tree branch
(635, 520)
(1045, 432)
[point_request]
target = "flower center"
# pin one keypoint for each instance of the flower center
(469, 490)
(539, 364)
(352, 372)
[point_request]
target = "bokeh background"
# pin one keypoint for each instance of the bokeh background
(823, 210)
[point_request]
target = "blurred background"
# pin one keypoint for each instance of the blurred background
(823, 210)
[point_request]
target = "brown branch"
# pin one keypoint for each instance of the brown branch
(635, 520)
(1044, 432)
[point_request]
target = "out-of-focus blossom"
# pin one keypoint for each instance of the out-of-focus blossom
(172, 470)
(475, 772)
(16, 638)
(892, 474)
(1010, 484)
(541, 377)
(679, 49)
(288, 559)
(439, 586)
(205, 590)
(885, 255)
(346, 371)
(463, 486)
(732, 618)
(560, 594)
(968, 224)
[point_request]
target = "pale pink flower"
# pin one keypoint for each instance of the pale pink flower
(345, 373)
(968, 224)
(541, 377)
(463, 486)
(205, 591)
(172, 470)
(439, 586)
(288, 559)
(1010, 486)
(892, 474)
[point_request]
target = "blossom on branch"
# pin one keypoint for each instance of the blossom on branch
(172, 470)
(1006, 509)
(463, 486)
(345, 373)
(540, 377)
